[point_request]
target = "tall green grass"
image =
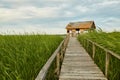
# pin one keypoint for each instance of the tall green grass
(22, 56)
(109, 41)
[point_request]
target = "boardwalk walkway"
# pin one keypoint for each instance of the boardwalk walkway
(78, 65)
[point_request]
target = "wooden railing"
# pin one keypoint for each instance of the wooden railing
(108, 53)
(58, 55)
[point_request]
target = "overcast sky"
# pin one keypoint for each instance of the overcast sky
(52, 16)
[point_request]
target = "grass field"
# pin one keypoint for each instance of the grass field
(109, 41)
(22, 56)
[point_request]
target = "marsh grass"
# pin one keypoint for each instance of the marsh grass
(22, 56)
(109, 41)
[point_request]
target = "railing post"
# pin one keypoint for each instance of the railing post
(58, 63)
(64, 42)
(107, 63)
(87, 42)
(84, 43)
(93, 48)
(62, 53)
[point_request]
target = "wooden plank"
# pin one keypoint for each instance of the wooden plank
(81, 72)
(77, 59)
(81, 78)
(80, 63)
(80, 68)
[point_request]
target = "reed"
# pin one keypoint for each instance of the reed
(22, 56)
(110, 41)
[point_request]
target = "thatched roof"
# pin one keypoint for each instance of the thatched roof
(81, 25)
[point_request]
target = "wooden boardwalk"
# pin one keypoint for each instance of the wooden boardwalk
(78, 65)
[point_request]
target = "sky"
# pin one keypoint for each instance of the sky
(52, 16)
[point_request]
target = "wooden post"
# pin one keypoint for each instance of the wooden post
(93, 48)
(87, 45)
(58, 63)
(64, 42)
(84, 43)
(62, 53)
(107, 63)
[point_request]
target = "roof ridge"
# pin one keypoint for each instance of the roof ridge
(81, 21)
(82, 24)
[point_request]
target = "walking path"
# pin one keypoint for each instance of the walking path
(78, 65)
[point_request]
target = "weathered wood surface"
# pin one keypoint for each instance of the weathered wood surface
(78, 65)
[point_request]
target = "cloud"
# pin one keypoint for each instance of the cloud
(12, 14)
(30, 12)
(112, 22)
(82, 9)
(108, 3)
(27, 12)
(53, 15)
(15, 1)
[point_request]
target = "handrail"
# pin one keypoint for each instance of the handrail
(109, 51)
(108, 54)
(43, 72)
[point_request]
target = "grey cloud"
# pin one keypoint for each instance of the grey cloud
(69, 10)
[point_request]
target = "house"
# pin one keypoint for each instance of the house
(77, 27)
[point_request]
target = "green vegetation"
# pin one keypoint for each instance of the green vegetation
(109, 41)
(22, 56)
